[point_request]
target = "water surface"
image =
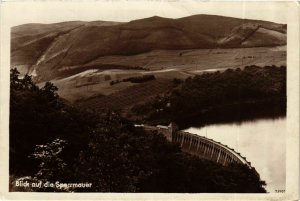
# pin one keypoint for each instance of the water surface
(262, 142)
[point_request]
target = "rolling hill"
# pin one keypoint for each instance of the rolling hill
(55, 50)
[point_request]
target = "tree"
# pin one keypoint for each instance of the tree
(38, 116)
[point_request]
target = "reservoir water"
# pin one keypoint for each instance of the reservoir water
(262, 142)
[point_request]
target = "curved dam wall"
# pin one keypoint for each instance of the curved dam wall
(200, 146)
(207, 148)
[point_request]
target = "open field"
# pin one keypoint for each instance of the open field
(130, 96)
(200, 59)
(163, 64)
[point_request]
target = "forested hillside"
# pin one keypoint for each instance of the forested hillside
(52, 141)
(232, 95)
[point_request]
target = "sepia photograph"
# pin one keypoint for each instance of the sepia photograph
(167, 99)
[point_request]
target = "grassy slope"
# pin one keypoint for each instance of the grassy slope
(89, 41)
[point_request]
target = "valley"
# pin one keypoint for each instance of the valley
(88, 88)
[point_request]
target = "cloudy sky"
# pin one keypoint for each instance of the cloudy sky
(126, 10)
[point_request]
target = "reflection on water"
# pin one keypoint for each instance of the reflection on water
(262, 142)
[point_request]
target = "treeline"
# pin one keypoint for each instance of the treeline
(232, 95)
(52, 141)
(137, 79)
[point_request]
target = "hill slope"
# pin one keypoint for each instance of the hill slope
(47, 49)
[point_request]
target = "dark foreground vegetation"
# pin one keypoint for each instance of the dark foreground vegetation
(230, 96)
(51, 141)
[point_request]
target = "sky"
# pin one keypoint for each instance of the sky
(126, 10)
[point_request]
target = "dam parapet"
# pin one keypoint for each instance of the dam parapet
(199, 146)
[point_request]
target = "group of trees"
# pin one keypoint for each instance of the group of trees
(52, 141)
(137, 79)
(225, 96)
(37, 116)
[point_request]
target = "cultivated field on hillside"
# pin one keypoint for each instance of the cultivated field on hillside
(126, 98)
(200, 59)
(163, 64)
(45, 50)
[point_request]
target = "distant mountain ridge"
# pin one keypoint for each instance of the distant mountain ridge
(47, 48)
